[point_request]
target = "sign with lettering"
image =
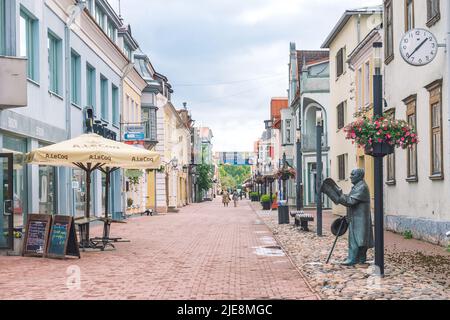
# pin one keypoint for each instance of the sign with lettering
(36, 235)
(63, 238)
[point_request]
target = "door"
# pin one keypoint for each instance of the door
(312, 184)
(6, 202)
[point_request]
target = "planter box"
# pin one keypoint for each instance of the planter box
(265, 205)
(379, 150)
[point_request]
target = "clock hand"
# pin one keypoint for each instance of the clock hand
(420, 45)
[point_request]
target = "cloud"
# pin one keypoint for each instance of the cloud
(225, 42)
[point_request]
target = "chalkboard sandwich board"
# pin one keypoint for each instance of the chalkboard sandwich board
(63, 239)
(36, 235)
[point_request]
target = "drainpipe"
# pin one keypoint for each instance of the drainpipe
(448, 63)
(74, 11)
(125, 73)
(358, 28)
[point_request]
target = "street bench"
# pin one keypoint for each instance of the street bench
(302, 219)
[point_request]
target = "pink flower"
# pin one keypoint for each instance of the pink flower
(380, 140)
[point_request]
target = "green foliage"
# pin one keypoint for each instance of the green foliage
(205, 176)
(133, 176)
(254, 194)
(265, 198)
(448, 248)
(407, 234)
(129, 202)
(233, 176)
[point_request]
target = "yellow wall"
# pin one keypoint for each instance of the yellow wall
(151, 189)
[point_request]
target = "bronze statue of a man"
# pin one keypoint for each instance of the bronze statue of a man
(360, 237)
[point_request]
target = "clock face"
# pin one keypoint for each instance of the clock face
(418, 47)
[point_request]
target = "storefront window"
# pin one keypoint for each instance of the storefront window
(47, 189)
(79, 188)
(18, 147)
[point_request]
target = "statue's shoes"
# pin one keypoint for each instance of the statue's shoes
(348, 263)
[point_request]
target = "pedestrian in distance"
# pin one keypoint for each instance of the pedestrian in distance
(235, 198)
(225, 198)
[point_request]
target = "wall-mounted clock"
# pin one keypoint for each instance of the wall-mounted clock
(418, 47)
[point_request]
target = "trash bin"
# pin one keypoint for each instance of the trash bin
(283, 213)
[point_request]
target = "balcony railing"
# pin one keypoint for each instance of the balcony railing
(309, 143)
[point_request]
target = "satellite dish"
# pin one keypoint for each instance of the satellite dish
(374, 21)
(73, 11)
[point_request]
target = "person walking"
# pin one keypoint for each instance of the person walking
(225, 198)
(235, 198)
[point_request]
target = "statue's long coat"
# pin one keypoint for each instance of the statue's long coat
(359, 217)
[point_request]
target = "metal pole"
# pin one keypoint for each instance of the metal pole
(319, 176)
(448, 62)
(378, 180)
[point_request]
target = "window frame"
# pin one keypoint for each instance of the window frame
(115, 105)
(342, 167)
(55, 85)
(391, 178)
(91, 89)
(433, 19)
(2, 27)
(104, 96)
(411, 110)
(340, 62)
(75, 78)
(32, 42)
(388, 31)
(436, 98)
(407, 21)
(341, 115)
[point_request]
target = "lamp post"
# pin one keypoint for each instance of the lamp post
(299, 177)
(378, 161)
(319, 127)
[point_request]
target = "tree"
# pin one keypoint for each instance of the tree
(205, 176)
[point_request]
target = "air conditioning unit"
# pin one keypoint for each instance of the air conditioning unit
(13, 82)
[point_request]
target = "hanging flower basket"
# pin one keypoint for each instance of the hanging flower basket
(286, 174)
(379, 136)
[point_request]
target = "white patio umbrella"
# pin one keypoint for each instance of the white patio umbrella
(90, 152)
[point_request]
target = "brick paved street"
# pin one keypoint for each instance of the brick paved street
(203, 252)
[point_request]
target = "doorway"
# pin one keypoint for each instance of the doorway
(7, 202)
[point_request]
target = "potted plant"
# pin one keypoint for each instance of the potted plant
(129, 202)
(265, 202)
(379, 136)
(254, 196)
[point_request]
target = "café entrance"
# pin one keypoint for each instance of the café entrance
(6, 202)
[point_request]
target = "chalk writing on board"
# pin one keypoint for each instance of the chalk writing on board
(36, 236)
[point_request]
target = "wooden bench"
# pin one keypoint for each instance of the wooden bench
(302, 219)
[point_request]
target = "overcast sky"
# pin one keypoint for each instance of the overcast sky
(227, 58)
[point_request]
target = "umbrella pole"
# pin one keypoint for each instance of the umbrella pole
(87, 213)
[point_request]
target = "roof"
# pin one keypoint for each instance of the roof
(276, 105)
(345, 18)
(364, 42)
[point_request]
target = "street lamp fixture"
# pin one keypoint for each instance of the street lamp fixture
(377, 59)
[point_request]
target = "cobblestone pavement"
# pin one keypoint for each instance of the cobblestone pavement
(203, 252)
(405, 279)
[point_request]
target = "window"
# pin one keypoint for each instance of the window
(288, 131)
(340, 61)
(389, 31)
(111, 31)
(115, 105)
(100, 16)
(433, 12)
(341, 109)
(390, 159)
(29, 35)
(55, 63)
(127, 51)
(149, 116)
(75, 78)
(367, 83)
(90, 87)
(2, 27)
(359, 92)
(411, 152)
(409, 15)
(342, 167)
(435, 90)
(104, 98)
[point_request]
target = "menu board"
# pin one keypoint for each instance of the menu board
(63, 239)
(36, 235)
